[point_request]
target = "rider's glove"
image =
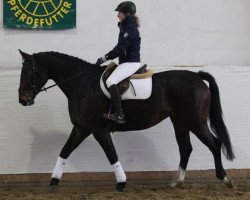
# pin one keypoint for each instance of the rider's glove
(100, 61)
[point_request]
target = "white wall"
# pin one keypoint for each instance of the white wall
(214, 33)
(174, 32)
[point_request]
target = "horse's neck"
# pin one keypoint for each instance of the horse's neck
(61, 74)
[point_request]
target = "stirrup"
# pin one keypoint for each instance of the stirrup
(117, 118)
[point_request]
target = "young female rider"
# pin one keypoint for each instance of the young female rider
(128, 51)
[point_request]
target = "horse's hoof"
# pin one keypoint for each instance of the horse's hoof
(177, 184)
(120, 186)
(54, 184)
(53, 188)
(228, 182)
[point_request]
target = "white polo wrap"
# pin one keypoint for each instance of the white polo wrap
(119, 172)
(58, 170)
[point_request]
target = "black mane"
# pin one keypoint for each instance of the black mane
(73, 59)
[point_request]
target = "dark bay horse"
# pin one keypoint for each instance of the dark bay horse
(181, 95)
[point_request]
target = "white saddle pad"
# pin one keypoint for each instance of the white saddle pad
(138, 89)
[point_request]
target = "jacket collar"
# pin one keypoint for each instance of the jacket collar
(127, 21)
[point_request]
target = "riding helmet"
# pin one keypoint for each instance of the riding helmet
(126, 7)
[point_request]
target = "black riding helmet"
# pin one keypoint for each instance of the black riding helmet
(126, 7)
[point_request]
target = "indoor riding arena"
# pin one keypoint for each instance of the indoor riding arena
(185, 132)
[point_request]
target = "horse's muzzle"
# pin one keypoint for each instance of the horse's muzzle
(26, 101)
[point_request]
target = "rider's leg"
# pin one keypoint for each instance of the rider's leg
(117, 104)
(123, 71)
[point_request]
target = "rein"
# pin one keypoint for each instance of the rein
(62, 82)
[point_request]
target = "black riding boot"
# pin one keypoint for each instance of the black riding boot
(117, 115)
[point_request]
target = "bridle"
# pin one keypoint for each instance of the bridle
(35, 90)
(34, 87)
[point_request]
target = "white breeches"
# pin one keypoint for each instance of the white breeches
(122, 72)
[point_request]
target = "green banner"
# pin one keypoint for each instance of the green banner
(40, 14)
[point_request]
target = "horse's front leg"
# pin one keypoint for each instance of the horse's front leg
(104, 139)
(76, 137)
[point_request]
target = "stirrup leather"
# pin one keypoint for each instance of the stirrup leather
(115, 117)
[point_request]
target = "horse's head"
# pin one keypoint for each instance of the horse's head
(33, 78)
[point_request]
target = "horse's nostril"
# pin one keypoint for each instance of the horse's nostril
(30, 102)
(23, 102)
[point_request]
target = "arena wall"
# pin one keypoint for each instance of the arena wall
(212, 35)
(174, 32)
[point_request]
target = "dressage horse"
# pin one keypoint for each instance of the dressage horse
(179, 94)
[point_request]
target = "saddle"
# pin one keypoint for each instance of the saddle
(124, 84)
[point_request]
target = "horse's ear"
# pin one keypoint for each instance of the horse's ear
(25, 56)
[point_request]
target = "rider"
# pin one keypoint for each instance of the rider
(128, 51)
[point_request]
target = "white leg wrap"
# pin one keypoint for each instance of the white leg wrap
(58, 170)
(181, 174)
(119, 173)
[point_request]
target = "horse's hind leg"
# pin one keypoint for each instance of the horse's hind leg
(104, 139)
(214, 145)
(76, 137)
(185, 148)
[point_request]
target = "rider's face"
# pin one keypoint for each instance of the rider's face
(121, 16)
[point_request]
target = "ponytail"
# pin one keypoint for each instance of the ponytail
(137, 19)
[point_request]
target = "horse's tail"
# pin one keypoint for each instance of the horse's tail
(215, 115)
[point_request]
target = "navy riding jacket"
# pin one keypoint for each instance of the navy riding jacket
(129, 43)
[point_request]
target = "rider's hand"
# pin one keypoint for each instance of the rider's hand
(100, 61)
